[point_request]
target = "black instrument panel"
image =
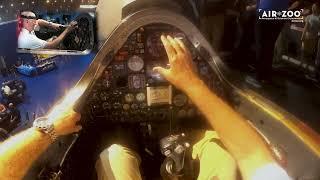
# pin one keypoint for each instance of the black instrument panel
(82, 37)
(129, 91)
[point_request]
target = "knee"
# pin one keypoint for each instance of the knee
(116, 150)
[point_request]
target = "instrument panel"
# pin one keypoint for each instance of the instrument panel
(81, 38)
(130, 91)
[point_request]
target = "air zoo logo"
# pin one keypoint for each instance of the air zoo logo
(294, 16)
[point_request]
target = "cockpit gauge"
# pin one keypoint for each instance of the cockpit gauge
(106, 106)
(134, 106)
(107, 73)
(154, 45)
(135, 63)
(129, 98)
(141, 97)
(118, 67)
(126, 107)
(103, 96)
(106, 83)
(152, 75)
(117, 105)
(180, 100)
(137, 81)
(143, 105)
(95, 96)
(204, 70)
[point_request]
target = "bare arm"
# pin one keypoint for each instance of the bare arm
(232, 128)
(44, 23)
(19, 152)
(54, 43)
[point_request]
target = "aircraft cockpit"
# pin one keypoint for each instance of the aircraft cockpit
(122, 100)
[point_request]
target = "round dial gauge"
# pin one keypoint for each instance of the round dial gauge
(135, 63)
(140, 97)
(203, 69)
(129, 98)
(126, 107)
(143, 105)
(104, 96)
(180, 100)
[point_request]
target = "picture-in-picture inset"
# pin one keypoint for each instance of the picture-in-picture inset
(55, 33)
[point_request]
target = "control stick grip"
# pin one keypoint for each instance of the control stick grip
(174, 148)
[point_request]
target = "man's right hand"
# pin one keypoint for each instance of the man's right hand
(55, 43)
(182, 72)
(71, 26)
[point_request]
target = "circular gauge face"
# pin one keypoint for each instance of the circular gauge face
(180, 100)
(135, 63)
(126, 107)
(129, 98)
(143, 105)
(140, 97)
(203, 69)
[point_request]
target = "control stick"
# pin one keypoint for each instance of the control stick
(174, 148)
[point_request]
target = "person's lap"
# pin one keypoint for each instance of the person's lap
(118, 162)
